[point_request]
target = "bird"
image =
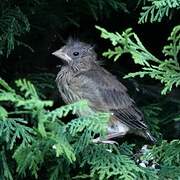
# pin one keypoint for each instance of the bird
(81, 77)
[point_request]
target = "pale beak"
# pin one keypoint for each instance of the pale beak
(60, 54)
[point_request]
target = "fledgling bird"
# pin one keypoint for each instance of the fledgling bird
(81, 77)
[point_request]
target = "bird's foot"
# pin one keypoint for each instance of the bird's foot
(98, 140)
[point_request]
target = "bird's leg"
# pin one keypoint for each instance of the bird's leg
(107, 139)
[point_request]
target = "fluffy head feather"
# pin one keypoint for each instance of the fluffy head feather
(76, 52)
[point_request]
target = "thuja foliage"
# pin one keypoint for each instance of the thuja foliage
(167, 71)
(13, 23)
(168, 155)
(156, 10)
(33, 138)
(31, 132)
(36, 142)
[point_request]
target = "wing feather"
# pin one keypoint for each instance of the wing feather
(106, 93)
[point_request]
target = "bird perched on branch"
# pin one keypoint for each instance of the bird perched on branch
(82, 78)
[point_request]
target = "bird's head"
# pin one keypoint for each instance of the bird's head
(75, 52)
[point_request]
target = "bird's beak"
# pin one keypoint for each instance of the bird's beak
(60, 54)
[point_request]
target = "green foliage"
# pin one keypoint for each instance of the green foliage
(167, 154)
(13, 23)
(36, 136)
(12, 129)
(90, 126)
(16, 127)
(28, 88)
(166, 71)
(48, 135)
(112, 162)
(44, 82)
(172, 50)
(156, 10)
(67, 145)
(5, 172)
(29, 158)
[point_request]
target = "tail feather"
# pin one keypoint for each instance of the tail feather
(150, 137)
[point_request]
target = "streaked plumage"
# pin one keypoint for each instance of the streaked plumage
(82, 78)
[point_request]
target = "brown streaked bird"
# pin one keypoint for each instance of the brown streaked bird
(81, 77)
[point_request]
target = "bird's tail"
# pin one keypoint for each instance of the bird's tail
(149, 137)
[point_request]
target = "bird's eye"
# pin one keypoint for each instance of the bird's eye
(75, 53)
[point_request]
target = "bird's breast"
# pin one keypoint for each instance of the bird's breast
(63, 81)
(69, 91)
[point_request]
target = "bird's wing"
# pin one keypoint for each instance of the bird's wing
(106, 93)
